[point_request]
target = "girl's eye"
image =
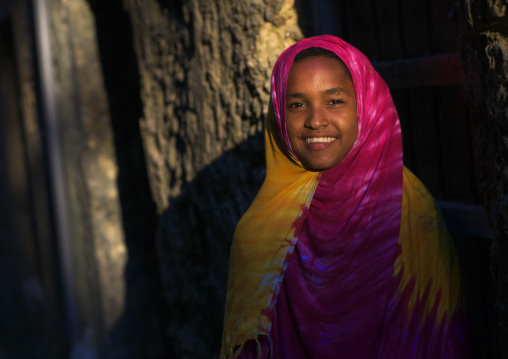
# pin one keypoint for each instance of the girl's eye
(296, 105)
(335, 102)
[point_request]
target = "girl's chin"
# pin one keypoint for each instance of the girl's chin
(319, 166)
(321, 160)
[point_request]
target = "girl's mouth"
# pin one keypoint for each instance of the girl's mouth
(320, 139)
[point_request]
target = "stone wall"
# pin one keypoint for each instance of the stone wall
(483, 35)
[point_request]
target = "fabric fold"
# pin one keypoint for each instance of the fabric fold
(351, 262)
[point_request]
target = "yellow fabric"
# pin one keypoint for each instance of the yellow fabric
(267, 232)
(428, 257)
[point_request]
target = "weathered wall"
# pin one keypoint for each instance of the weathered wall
(483, 34)
(141, 330)
(97, 250)
(204, 68)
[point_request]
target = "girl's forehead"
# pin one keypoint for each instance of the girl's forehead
(340, 65)
(323, 69)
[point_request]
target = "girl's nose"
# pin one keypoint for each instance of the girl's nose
(316, 119)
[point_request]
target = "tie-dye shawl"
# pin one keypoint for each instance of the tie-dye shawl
(352, 262)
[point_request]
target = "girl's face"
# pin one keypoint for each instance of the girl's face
(321, 119)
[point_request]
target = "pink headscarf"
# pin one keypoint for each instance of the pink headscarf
(347, 247)
(352, 262)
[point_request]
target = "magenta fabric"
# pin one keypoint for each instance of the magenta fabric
(336, 290)
(337, 299)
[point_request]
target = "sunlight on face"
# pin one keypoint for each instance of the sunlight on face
(321, 118)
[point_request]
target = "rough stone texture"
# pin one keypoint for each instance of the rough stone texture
(483, 31)
(97, 242)
(204, 68)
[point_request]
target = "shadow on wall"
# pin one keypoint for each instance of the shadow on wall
(194, 239)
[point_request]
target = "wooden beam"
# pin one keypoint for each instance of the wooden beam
(465, 219)
(439, 70)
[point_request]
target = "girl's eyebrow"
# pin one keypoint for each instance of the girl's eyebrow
(331, 91)
(294, 94)
(334, 91)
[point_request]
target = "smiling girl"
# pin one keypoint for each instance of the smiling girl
(321, 119)
(343, 252)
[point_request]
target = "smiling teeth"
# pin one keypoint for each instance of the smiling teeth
(320, 139)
